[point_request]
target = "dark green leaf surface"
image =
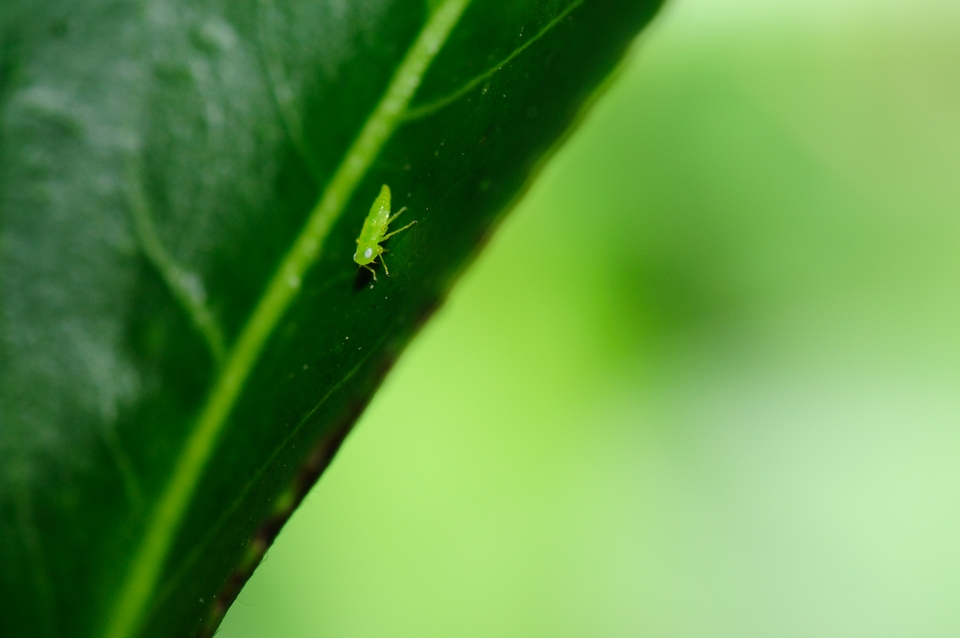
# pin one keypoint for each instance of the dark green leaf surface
(184, 337)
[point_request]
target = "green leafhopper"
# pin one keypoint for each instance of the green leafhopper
(374, 231)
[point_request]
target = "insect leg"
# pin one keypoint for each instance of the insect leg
(384, 265)
(396, 215)
(398, 230)
(372, 270)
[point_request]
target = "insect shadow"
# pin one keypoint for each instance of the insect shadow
(363, 278)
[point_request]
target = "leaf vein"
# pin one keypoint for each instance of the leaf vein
(433, 106)
(171, 584)
(142, 576)
(186, 286)
(281, 95)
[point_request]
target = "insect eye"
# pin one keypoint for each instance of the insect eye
(368, 253)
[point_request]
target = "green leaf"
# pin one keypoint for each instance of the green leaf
(184, 336)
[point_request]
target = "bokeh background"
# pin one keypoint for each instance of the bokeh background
(703, 382)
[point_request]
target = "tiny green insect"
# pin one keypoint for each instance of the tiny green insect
(374, 231)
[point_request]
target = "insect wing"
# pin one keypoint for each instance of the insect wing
(374, 224)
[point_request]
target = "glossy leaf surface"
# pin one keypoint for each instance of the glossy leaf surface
(184, 336)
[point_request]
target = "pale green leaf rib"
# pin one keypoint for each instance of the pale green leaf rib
(141, 579)
(252, 480)
(131, 484)
(171, 585)
(281, 93)
(187, 287)
(435, 105)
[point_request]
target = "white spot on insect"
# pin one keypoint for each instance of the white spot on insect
(368, 253)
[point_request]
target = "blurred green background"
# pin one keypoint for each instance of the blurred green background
(703, 382)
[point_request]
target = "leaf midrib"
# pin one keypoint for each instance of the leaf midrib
(410, 114)
(148, 560)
